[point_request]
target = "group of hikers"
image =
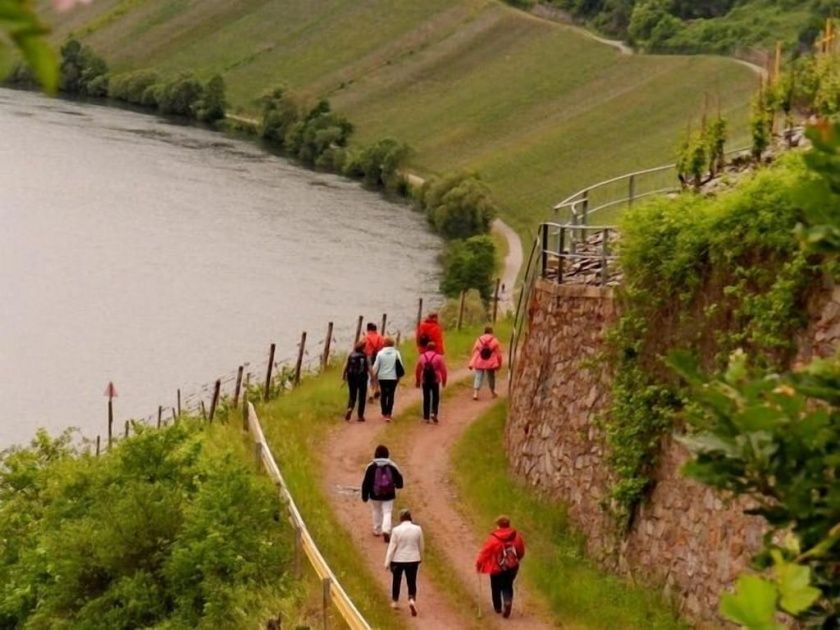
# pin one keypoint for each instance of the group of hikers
(375, 367)
(499, 556)
(372, 371)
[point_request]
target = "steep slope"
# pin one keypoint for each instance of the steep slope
(469, 84)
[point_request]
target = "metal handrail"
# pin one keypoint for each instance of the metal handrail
(332, 587)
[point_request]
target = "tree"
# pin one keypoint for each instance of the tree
(458, 205)
(279, 114)
(212, 105)
(469, 264)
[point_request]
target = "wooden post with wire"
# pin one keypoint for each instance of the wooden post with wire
(496, 299)
(160, 416)
(325, 357)
(419, 311)
(98, 445)
(267, 391)
(299, 363)
(111, 393)
(174, 417)
(245, 402)
(358, 330)
(126, 428)
(203, 410)
(238, 388)
(217, 388)
(461, 310)
(384, 323)
(179, 403)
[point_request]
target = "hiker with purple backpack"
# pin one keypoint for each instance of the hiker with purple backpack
(380, 484)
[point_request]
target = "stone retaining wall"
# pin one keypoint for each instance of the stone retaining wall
(685, 538)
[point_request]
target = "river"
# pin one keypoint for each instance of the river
(158, 256)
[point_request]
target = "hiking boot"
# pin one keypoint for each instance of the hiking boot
(361, 419)
(506, 612)
(386, 537)
(348, 414)
(413, 607)
(395, 605)
(376, 396)
(426, 420)
(434, 418)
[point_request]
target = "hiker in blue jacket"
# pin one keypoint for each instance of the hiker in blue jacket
(382, 479)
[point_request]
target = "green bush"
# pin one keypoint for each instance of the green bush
(132, 87)
(181, 96)
(458, 205)
(211, 107)
(469, 264)
(82, 71)
(378, 165)
(279, 114)
(319, 138)
(158, 532)
(706, 274)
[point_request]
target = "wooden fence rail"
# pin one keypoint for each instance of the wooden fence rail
(333, 591)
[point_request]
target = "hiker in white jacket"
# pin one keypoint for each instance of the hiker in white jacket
(405, 551)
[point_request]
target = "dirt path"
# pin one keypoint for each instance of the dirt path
(422, 452)
(513, 263)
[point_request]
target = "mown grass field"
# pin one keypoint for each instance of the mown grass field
(536, 108)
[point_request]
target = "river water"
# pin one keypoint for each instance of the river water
(160, 256)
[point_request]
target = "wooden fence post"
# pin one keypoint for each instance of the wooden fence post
(245, 402)
(325, 358)
(461, 310)
(399, 338)
(496, 300)
(174, 417)
(179, 403)
(326, 601)
(419, 311)
(160, 416)
(98, 445)
(358, 330)
(203, 410)
(268, 372)
(238, 387)
(126, 428)
(299, 363)
(384, 323)
(217, 388)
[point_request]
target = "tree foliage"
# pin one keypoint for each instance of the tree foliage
(82, 71)
(458, 205)
(22, 30)
(469, 264)
(158, 532)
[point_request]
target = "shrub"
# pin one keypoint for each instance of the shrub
(314, 139)
(132, 87)
(469, 264)
(82, 71)
(279, 114)
(458, 206)
(211, 107)
(378, 164)
(181, 96)
(159, 532)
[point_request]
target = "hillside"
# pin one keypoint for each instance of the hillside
(473, 84)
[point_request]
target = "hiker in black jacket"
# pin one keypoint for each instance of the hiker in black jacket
(382, 479)
(356, 373)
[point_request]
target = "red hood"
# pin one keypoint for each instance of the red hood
(505, 534)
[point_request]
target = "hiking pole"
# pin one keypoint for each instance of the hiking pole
(478, 591)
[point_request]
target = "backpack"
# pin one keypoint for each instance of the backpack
(383, 481)
(429, 372)
(485, 352)
(507, 558)
(356, 364)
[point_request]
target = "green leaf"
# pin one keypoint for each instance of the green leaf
(752, 605)
(794, 583)
(41, 58)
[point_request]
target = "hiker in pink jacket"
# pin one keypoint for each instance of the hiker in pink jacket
(430, 373)
(486, 359)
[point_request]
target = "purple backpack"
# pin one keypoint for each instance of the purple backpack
(383, 481)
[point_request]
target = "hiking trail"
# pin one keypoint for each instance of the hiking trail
(422, 451)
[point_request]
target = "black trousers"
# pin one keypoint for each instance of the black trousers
(501, 588)
(410, 569)
(357, 387)
(387, 389)
(431, 399)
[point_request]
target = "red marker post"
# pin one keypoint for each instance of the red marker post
(111, 393)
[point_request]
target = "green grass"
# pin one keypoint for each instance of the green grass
(555, 564)
(538, 109)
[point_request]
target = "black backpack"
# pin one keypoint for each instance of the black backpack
(485, 352)
(356, 364)
(429, 372)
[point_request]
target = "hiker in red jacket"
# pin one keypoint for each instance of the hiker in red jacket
(374, 342)
(429, 330)
(430, 374)
(500, 557)
(486, 359)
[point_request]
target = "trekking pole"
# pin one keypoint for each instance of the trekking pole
(478, 591)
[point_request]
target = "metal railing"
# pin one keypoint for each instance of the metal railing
(332, 589)
(562, 244)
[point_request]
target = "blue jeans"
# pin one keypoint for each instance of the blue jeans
(479, 379)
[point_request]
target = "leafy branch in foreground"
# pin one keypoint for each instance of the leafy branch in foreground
(20, 28)
(776, 440)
